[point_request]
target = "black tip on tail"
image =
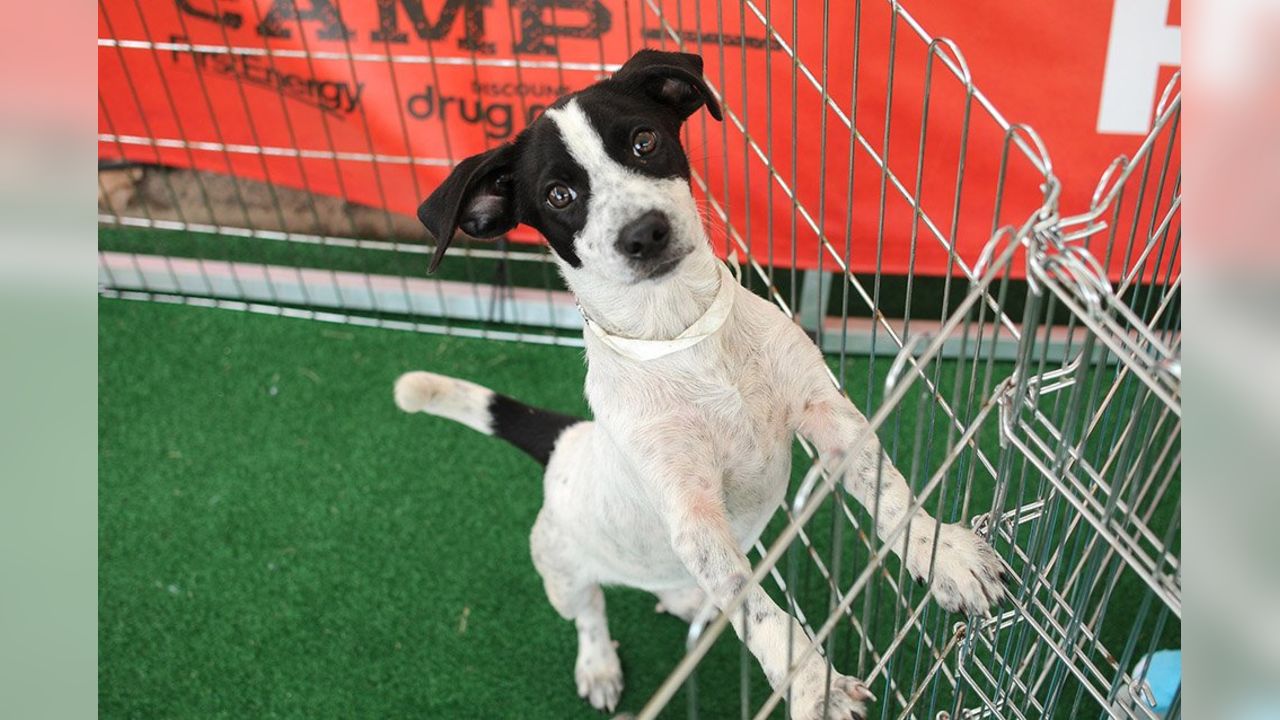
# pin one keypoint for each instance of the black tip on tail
(532, 430)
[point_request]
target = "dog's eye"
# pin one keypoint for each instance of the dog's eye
(644, 141)
(560, 196)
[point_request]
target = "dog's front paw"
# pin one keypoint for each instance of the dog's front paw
(967, 575)
(846, 699)
(599, 677)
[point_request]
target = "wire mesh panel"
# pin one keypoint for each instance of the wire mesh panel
(1020, 366)
(1067, 459)
(281, 152)
(828, 564)
(275, 152)
(1094, 458)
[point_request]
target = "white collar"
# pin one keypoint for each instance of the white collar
(701, 329)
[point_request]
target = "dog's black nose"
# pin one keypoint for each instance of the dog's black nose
(645, 237)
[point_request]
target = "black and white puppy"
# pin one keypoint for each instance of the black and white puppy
(697, 385)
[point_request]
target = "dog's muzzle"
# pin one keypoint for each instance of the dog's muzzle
(646, 238)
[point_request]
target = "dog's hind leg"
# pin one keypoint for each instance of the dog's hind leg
(597, 671)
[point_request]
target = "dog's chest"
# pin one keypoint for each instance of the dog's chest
(740, 403)
(746, 415)
(733, 404)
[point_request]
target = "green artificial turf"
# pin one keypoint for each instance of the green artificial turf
(278, 540)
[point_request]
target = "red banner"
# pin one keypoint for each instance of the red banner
(374, 100)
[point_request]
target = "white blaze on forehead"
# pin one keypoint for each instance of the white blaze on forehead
(582, 141)
(618, 193)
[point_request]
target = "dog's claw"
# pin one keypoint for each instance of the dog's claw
(602, 693)
(844, 698)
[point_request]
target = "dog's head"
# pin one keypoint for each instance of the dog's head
(601, 174)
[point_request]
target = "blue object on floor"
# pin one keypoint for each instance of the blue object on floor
(1164, 675)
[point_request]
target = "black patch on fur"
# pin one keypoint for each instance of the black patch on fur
(476, 197)
(544, 162)
(672, 80)
(532, 430)
(616, 114)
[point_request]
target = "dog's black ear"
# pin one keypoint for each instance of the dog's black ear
(477, 197)
(673, 79)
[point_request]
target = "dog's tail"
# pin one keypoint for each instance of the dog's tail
(532, 430)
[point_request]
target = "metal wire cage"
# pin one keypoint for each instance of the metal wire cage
(1079, 494)
(1027, 381)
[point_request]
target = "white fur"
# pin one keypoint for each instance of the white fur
(689, 455)
(458, 400)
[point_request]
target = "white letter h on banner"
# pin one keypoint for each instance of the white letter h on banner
(1140, 43)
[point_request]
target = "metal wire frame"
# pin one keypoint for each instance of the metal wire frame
(1096, 450)
(1079, 501)
(915, 622)
(893, 182)
(1085, 507)
(1030, 148)
(348, 291)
